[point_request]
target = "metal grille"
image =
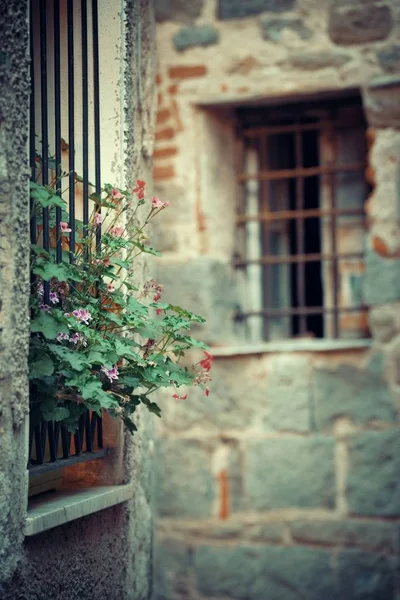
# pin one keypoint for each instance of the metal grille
(57, 140)
(283, 185)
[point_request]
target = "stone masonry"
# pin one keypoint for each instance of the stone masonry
(283, 484)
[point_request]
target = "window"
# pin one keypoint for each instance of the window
(64, 124)
(301, 220)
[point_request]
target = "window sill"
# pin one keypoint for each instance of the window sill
(304, 345)
(52, 510)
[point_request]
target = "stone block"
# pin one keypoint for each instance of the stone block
(381, 99)
(232, 403)
(204, 286)
(383, 323)
(368, 534)
(165, 239)
(258, 573)
(349, 391)
(237, 9)
(373, 483)
(289, 472)
(381, 280)
(312, 61)
(365, 576)
(265, 532)
(288, 393)
(184, 483)
(190, 37)
(389, 58)
(171, 568)
(272, 29)
(394, 362)
(177, 10)
(359, 21)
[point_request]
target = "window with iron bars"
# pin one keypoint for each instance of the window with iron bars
(64, 125)
(301, 220)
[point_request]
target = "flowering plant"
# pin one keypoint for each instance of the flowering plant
(99, 341)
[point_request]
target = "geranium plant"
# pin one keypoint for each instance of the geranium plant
(99, 340)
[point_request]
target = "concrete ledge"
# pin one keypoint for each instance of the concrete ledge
(292, 346)
(53, 510)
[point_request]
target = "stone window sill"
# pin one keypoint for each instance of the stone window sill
(304, 345)
(52, 510)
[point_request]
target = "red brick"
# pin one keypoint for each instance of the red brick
(187, 71)
(158, 79)
(163, 115)
(165, 134)
(173, 89)
(165, 152)
(167, 172)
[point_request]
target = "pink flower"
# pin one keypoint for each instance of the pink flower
(116, 194)
(110, 373)
(157, 203)
(106, 261)
(206, 392)
(139, 189)
(54, 298)
(177, 397)
(83, 315)
(78, 337)
(62, 336)
(40, 290)
(64, 227)
(207, 362)
(117, 231)
(110, 287)
(152, 287)
(98, 217)
(45, 307)
(158, 311)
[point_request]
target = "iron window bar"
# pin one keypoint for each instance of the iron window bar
(258, 137)
(51, 445)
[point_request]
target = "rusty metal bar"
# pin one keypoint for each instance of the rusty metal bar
(283, 260)
(299, 214)
(300, 269)
(333, 227)
(304, 172)
(311, 310)
(265, 233)
(294, 128)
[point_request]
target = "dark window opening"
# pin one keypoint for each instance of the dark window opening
(307, 166)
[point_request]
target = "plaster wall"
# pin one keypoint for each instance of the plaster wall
(283, 483)
(107, 554)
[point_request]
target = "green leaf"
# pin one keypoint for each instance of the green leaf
(73, 358)
(42, 366)
(124, 264)
(131, 381)
(48, 270)
(58, 413)
(125, 351)
(90, 389)
(151, 406)
(47, 325)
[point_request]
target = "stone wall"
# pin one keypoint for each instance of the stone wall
(107, 554)
(283, 483)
